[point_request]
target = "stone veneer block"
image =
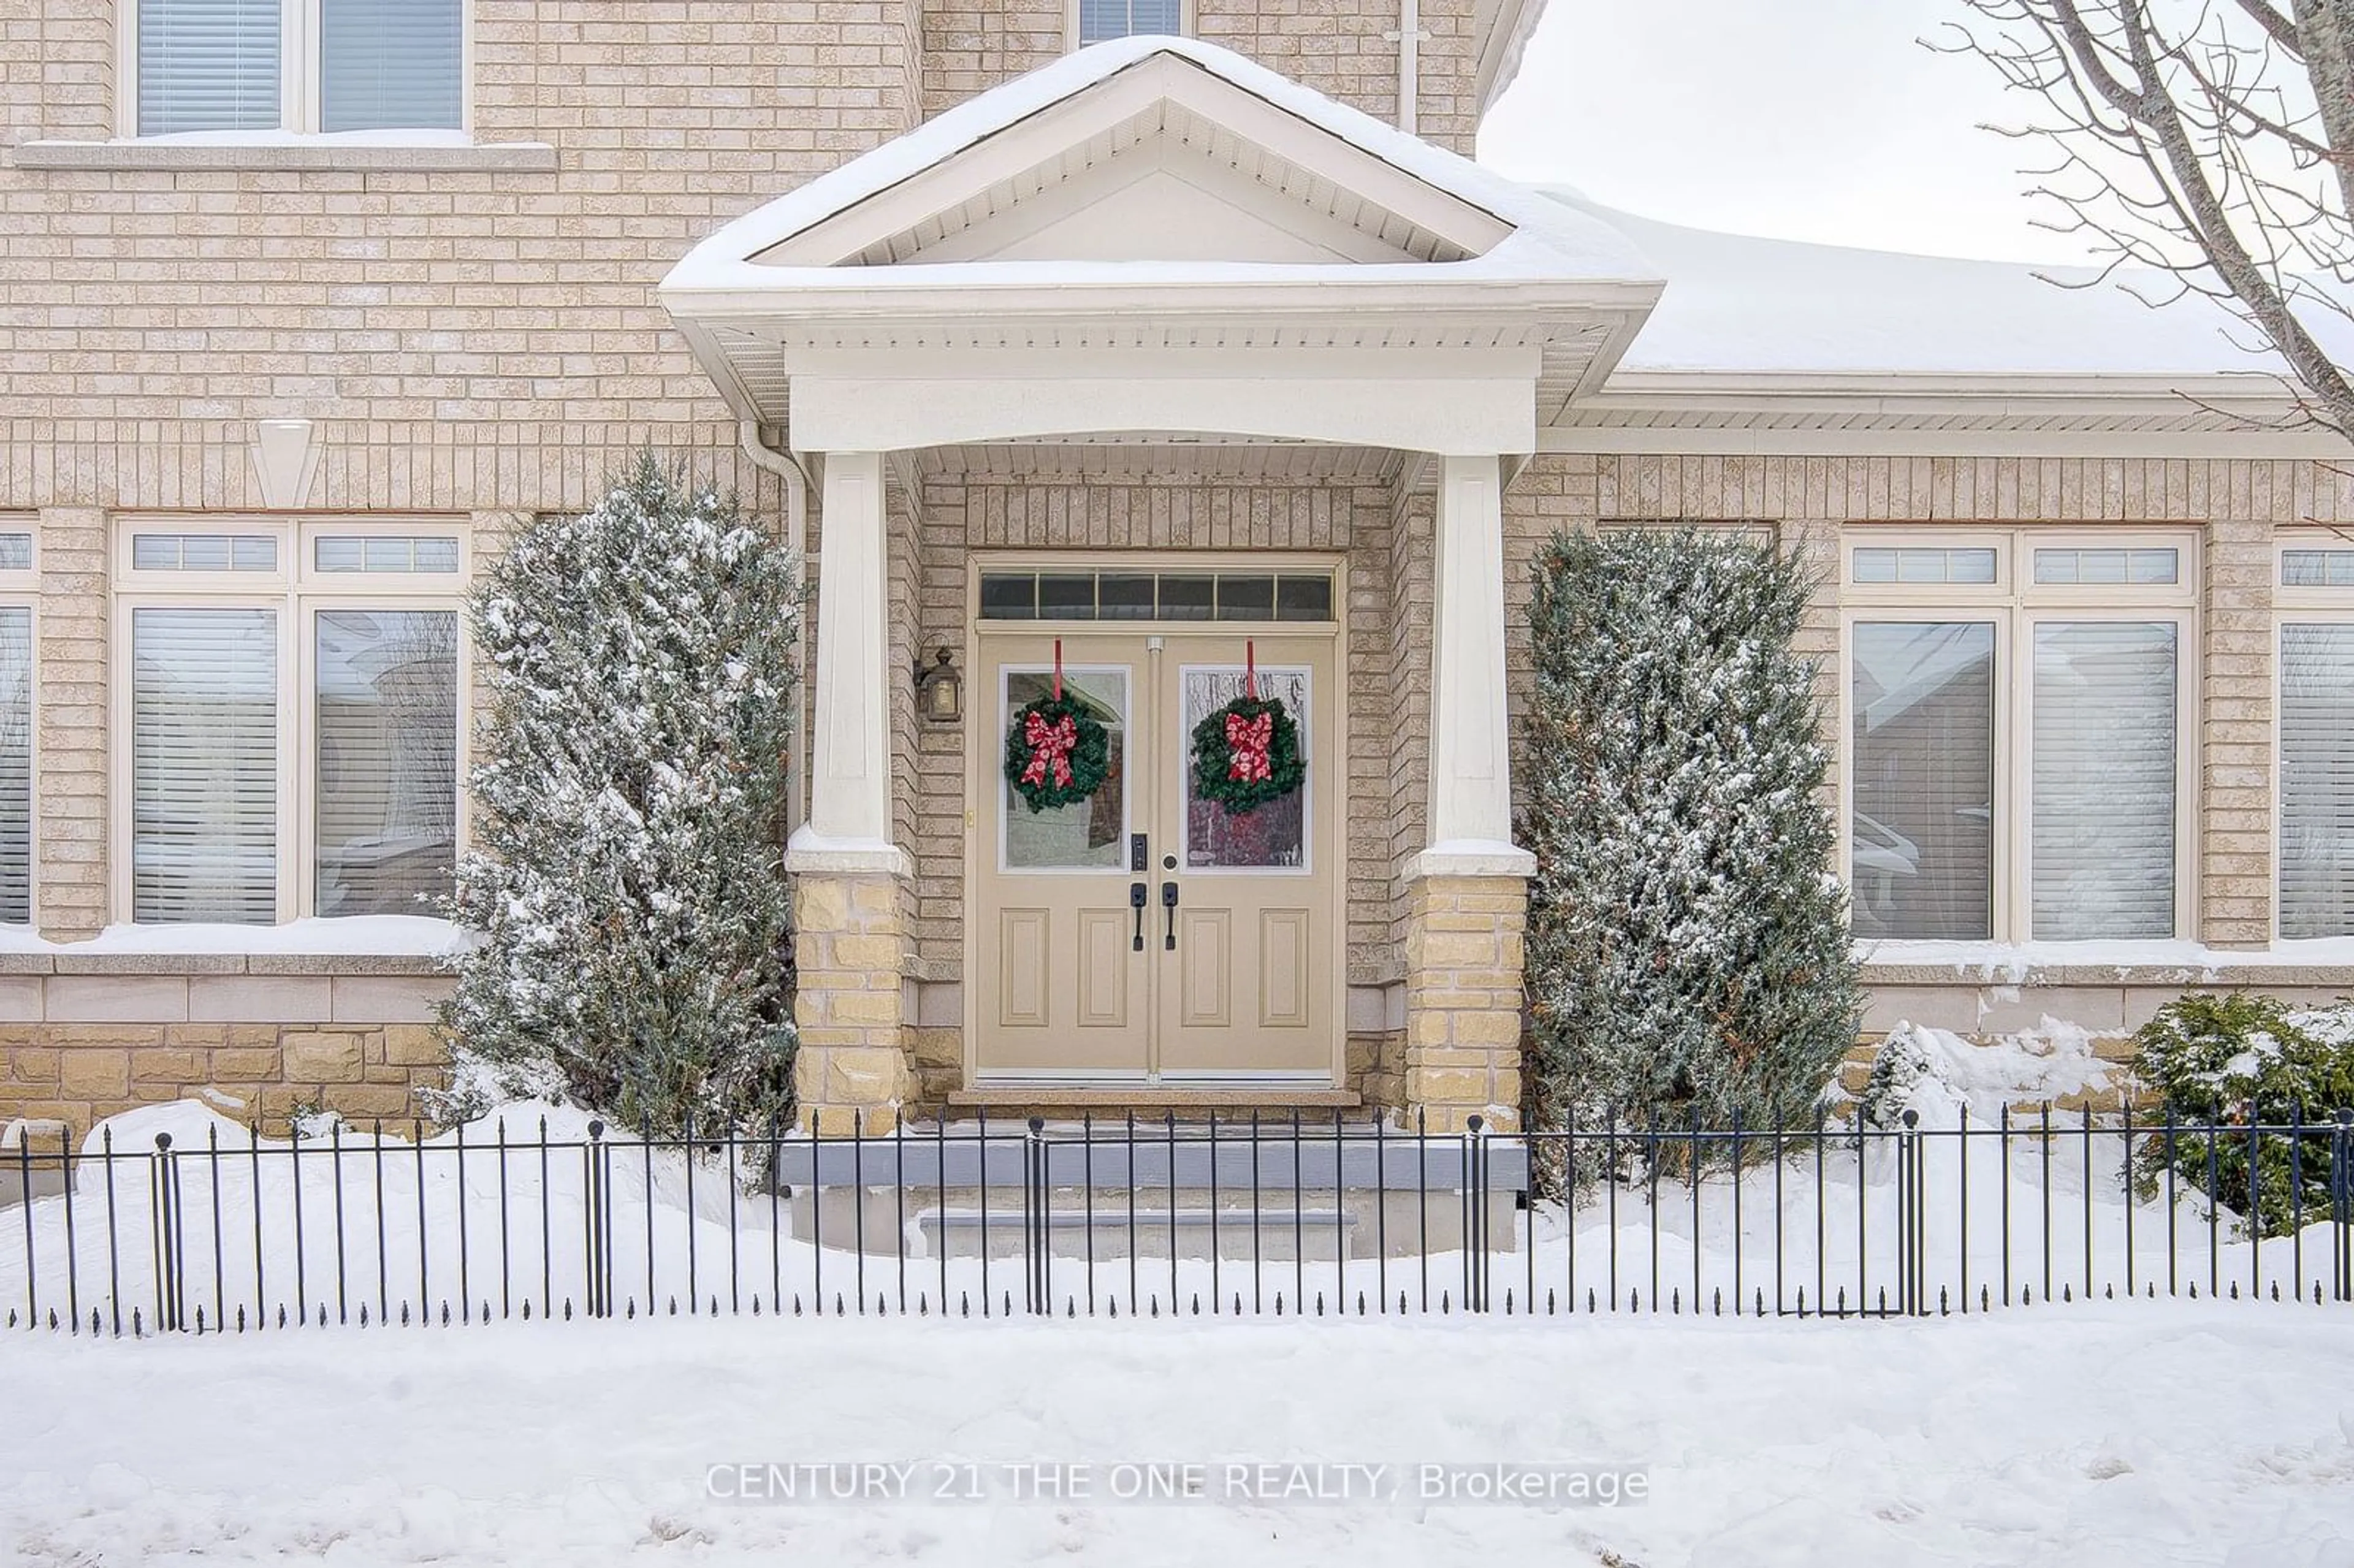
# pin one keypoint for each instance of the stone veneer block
(849, 946)
(20, 999)
(260, 999)
(389, 999)
(116, 998)
(1465, 946)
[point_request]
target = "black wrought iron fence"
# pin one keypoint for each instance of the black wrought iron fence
(228, 1232)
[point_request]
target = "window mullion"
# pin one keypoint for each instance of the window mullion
(295, 680)
(299, 109)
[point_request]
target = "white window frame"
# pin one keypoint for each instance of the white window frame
(2304, 605)
(2014, 604)
(1185, 25)
(21, 589)
(299, 90)
(296, 592)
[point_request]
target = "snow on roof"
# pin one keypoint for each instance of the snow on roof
(1550, 241)
(1736, 303)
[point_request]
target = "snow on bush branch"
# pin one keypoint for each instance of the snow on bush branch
(1688, 944)
(629, 788)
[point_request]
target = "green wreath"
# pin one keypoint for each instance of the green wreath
(1056, 753)
(1247, 754)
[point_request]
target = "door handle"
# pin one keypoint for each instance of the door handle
(1136, 901)
(1169, 912)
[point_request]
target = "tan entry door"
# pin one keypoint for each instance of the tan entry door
(1230, 968)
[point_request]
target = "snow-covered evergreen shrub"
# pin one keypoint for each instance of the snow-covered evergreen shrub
(1908, 1072)
(629, 885)
(2223, 1059)
(1687, 945)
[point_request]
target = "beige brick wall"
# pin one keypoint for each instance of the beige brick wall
(1333, 45)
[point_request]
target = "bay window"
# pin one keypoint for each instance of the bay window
(297, 64)
(292, 716)
(2014, 711)
(2316, 612)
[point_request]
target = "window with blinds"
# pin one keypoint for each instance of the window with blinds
(204, 764)
(2316, 781)
(2103, 780)
(2017, 757)
(387, 759)
(209, 65)
(1921, 847)
(1102, 19)
(15, 766)
(389, 64)
(362, 65)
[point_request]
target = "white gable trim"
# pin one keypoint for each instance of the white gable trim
(1247, 203)
(968, 148)
(1161, 103)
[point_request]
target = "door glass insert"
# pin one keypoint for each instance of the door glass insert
(1091, 836)
(1274, 836)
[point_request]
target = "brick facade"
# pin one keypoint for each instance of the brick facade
(473, 333)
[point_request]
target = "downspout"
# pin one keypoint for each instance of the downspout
(787, 467)
(1408, 38)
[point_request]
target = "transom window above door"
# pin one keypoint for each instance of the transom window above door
(2018, 756)
(296, 65)
(1133, 595)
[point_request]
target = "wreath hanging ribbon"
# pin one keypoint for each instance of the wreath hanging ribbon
(1248, 752)
(1056, 753)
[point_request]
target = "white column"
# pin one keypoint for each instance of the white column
(1471, 808)
(849, 823)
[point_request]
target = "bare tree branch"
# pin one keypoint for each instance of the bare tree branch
(2208, 142)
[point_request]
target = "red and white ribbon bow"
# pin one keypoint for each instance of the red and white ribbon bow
(1249, 739)
(1050, 749)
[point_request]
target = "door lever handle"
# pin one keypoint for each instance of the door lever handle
(1169, 912)
(1136, 901)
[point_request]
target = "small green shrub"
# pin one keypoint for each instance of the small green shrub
(2243, 1060)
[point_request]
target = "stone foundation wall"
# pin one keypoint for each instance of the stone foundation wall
(85, 1038)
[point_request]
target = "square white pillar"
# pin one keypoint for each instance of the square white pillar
(1471, 808)
(849, 825)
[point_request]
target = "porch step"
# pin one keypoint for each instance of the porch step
(1043, 1097)
(962, 1157)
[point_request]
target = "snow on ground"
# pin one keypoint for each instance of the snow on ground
(2088, 1436)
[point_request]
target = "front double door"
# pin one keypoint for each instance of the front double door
(1148, 934)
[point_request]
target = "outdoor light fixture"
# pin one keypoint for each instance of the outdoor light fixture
(940, 690)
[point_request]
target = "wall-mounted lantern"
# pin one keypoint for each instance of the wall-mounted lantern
(939, 689)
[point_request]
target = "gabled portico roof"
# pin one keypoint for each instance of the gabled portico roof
(1159, 209)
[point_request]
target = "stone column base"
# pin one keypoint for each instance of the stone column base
(848, 947)
(1464, 946)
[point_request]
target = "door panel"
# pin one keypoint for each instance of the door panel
(1205, 966)
(1062, 989)
(1268, 882)
(1026, 964)
(1104, 979)
(1284, 968)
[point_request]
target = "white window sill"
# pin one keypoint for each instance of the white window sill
(423, 151)
(2151, 962)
